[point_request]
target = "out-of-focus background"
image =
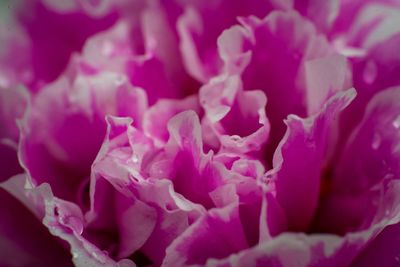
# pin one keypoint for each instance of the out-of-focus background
(5, 6)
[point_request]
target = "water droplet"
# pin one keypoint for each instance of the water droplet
(376, 141)
(135, 158)
(396, 122)
(387, 212)
(396, 149)
(397, 258)
(370, 72)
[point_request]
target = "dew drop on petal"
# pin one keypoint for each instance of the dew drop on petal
(376, 141)
(370, 72)
(396, 122)
(387, 212)
(135, 158)
(396, 149)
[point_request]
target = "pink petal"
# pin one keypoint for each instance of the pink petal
(298, 181)
(226, 105)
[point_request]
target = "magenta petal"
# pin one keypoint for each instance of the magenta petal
(266, 52)
(200, 25)
(376, 66)
(351, 11)
(239, 203)
(21, 245)
(325, 77)
(322, 13)
(158, 220)
(381, 251)
(64, 127)
(298, 182)
(9, 164)
(109, 180)
(112, 167)
(147, 140)
(372, 152)
(156, 118)
(65, 221)
(183, 157)
(370, 157)
(141, 73)
(109, 50)
(273, 219)
(189, 25)
(299, 249)
(226, 105)
(49, 48)
(93, 8)
(52, 148)
(15, 56)
(128, 229)
(13, 103)
(209, 237)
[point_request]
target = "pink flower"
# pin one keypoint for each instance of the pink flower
(192, 133)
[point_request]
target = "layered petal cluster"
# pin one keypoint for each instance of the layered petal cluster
(200, 133)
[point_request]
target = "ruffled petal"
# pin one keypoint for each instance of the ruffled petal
(21, 245)
(50, 51)
(284, 44)
(209, 237)
(13, 102)
(157, 116)
(372, 151)
(159, 220)
(183, 157)
(368, 37)
(322, 13)
(297, 181)
(369, 158)
(299, 249)
(64, 128)
(236, 117)
(64, 219)
(200, 25)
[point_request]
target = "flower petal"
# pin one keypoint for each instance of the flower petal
(298, 181)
